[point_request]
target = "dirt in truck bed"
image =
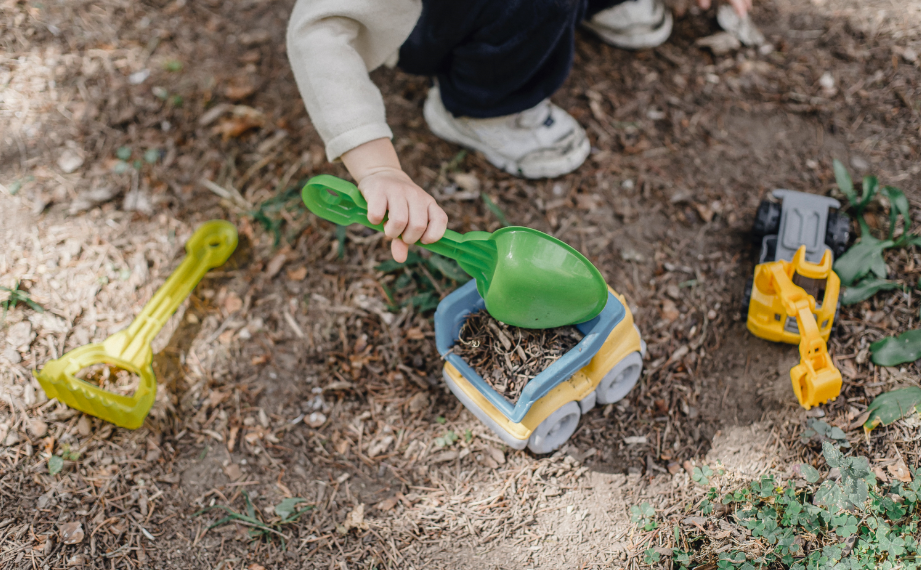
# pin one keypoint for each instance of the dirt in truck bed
(509, 357)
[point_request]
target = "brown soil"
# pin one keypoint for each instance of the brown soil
(298, 369)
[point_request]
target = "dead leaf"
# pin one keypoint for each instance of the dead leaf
(297, 274)
(880, 474)
(706, 214)
(226, 336)
(71, 533)
(233, 471)
(899, 471)
(255, 566)
(387, 504)
(669, 310)
(418, 402)
(275, 264)
(414, 333)
(445, 457)
(496, 455)
(239, 88)
(242, 119)
(232, 303)
(356, 519)
(84, 428)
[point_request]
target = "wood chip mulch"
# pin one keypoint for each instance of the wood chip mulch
(509, 357)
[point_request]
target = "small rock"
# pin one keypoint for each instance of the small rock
(139, 77)
(38, 428)
(316, 419)
(71, 533)
(12, 356)
(467, 181)
(861, 164)
(720, 43)
(20, 335)
(827, 83)
(69, 161)
(674, 467)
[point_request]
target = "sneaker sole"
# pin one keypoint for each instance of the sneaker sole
(646, 40)
(444, 130)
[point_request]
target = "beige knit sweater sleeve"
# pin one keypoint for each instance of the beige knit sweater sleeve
(332, 45)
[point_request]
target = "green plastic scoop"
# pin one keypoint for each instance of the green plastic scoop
(527, 278)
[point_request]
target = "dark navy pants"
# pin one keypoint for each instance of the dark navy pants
(496, 57)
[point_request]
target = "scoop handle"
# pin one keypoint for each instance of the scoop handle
(209, 247)
(339, 201)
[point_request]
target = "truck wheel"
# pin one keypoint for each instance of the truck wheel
(747, 295)
(837, 233)
(767, 220)
(556, 429)
(620, 379)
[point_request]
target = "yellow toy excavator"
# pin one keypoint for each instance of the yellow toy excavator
(780, 301)
(793, 296)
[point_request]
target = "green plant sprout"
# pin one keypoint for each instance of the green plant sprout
(419, 272)
(866, 256)
(16, 296)
(855, 522)
(446, 440)
(286, 513)
(644, 516)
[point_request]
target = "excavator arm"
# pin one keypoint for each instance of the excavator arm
(815, 378)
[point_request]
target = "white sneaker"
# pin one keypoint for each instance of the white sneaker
(634, 24)
(542, 142)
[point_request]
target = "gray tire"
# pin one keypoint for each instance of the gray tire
(618, 382)
(556, 429)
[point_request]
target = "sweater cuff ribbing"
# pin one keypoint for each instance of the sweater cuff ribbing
(355, 137)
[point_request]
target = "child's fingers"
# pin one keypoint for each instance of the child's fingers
(397, 216)
(703, 4)
(438, 223)
(418, 221)
(399, 250)
(377, 206)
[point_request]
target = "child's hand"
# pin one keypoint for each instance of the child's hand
(412, 214)
(741, 6)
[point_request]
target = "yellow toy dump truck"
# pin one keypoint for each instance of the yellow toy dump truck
(793, 296)
(601, 369)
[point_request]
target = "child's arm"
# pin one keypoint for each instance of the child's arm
(411, 212)
(332, 45)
